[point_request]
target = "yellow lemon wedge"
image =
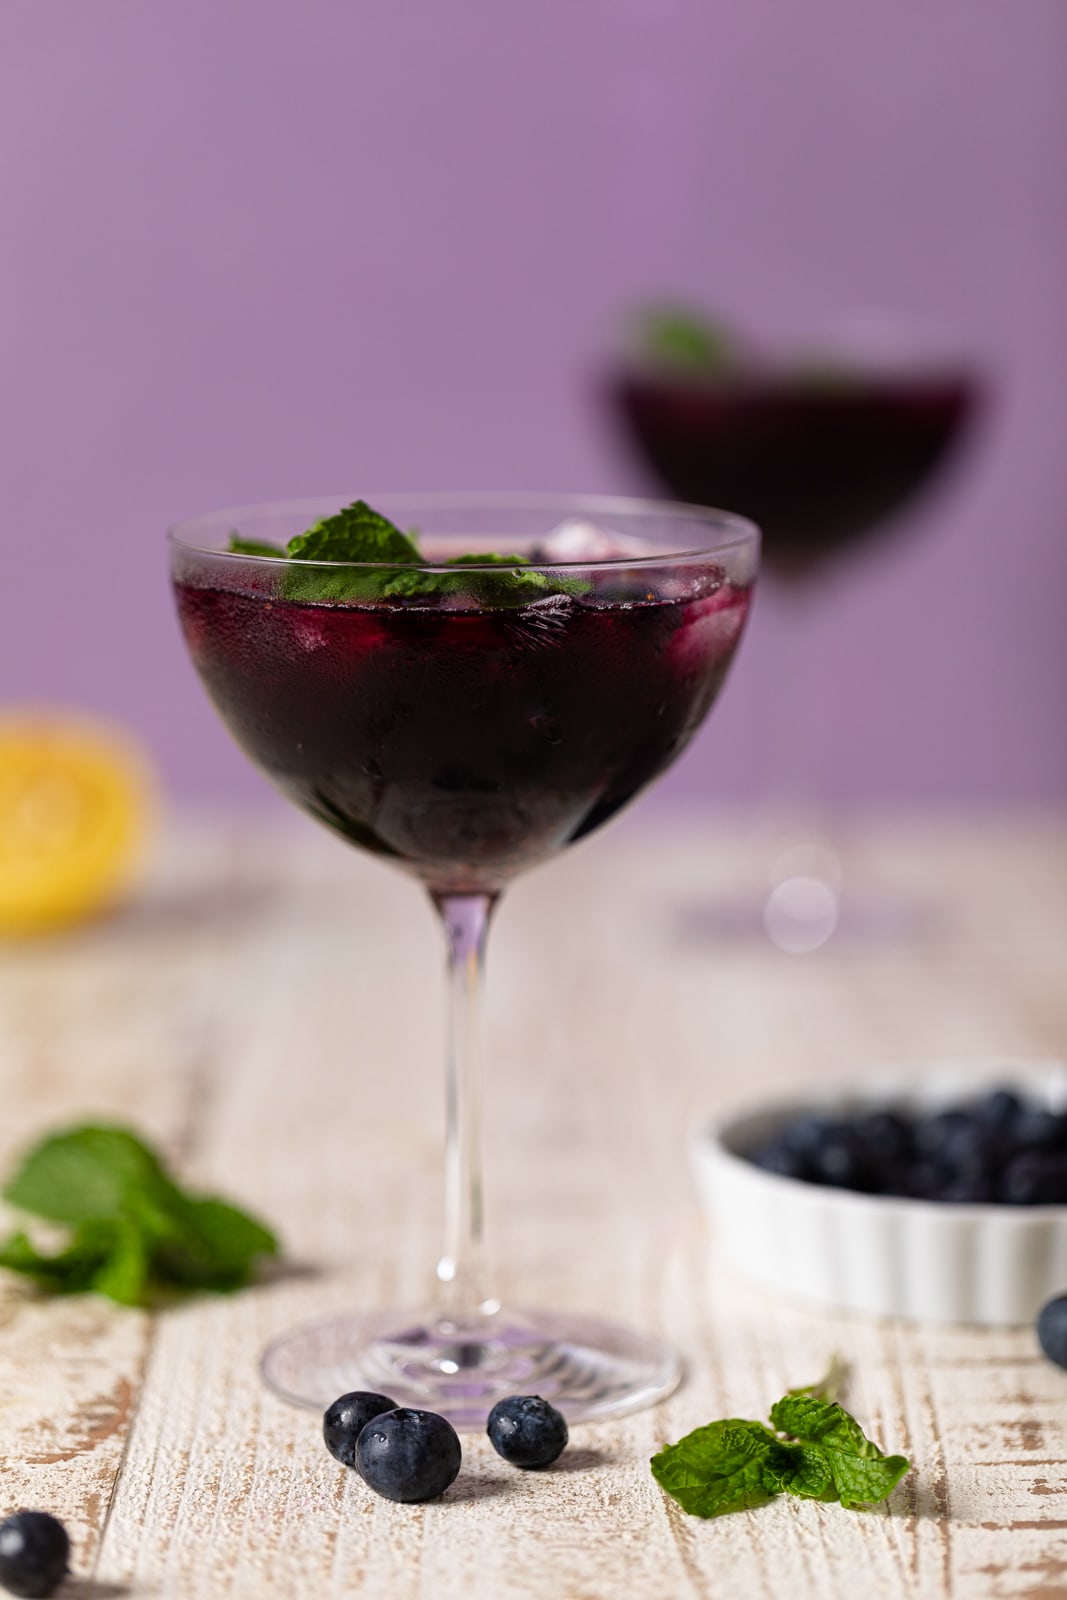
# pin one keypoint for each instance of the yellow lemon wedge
(75, 808)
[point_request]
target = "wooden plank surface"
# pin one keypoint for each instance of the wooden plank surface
(270, 1012)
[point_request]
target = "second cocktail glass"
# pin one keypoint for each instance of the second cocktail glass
(466, 723)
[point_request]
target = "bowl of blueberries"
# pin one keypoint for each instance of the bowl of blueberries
(939, 1196)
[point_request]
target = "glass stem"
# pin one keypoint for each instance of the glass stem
(463, 1294)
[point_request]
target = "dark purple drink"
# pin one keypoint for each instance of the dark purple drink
(818, 463)
(467, 742)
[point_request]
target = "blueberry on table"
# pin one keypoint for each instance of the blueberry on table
(1052, 1330)
(346, 1419)
(34, 1549)
(526, 1430)
(408, 1455)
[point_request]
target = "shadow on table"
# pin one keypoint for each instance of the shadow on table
(284, 1270)
(582, 1461)
(468, 1490)
(89, 1589)
(471, 1489)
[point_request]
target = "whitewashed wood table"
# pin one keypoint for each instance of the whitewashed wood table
(270, 1012)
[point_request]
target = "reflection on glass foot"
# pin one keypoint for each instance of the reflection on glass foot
(588, 1369)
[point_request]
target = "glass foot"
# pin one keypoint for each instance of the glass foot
(587, 1368)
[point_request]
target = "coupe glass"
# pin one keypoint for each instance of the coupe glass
(825, 460)
(465, 735)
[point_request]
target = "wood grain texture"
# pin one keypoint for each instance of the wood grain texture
(270, 1013)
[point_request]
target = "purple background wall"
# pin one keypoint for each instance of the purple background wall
(278, 247)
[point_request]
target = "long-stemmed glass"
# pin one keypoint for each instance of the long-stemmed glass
(825, 458)
(466, 734)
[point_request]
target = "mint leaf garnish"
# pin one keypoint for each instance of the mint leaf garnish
(387, 567)
(514, 583)
(813, 1449)
(253, 547)
(133, 1231)
(686, 341)
(356, 533)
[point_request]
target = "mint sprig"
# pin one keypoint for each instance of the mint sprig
(356, 533)
(685, 341)
(253, 547)
(134, 1234)
(861, 1473)
(386, 566)
(813, 1449)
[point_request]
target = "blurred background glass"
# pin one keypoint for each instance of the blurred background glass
(826, 446)
(269, 249)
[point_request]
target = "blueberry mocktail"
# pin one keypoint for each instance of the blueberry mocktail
(464, 739)
(818, 464)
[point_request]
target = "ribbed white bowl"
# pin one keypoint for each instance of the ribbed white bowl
(887, 1257)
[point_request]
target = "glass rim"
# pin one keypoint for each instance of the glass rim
(732, 531)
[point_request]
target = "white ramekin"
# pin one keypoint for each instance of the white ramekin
(886, 1257)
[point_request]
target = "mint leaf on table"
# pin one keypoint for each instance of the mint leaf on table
(725, 1466)
(861, 1472)
(813, 1449)
(70, 1270)
(85, 1175)
(134, 1233)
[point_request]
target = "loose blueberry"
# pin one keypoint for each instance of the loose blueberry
(34, 1550)
(1052, 1330)
(526, 1430)
(408, 1455)
(346, 1419)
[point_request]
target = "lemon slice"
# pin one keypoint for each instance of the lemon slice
(75, 805)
